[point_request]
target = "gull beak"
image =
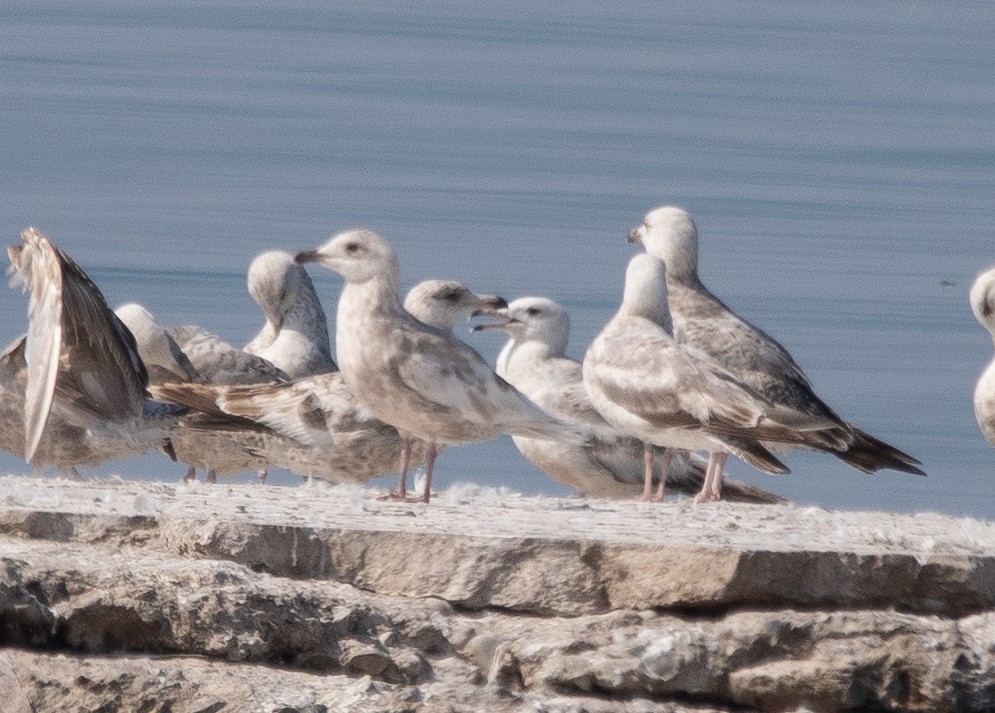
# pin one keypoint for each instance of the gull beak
(307, 256)
(636, 235)
(490, 304)
(503, 321)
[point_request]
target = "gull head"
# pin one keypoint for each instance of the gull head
(645, 293)
(357, 255)
(534, 319)
(670, 234)
(274, 281)
(982, 299)
(442, 303)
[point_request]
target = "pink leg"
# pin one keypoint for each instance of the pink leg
(429, 467)
(262, 474)
(191, 475)
(711, 489)
(647, 471)
(402, 488)
(719, 476)
(664, 470)
(706, 487)
(212, 475)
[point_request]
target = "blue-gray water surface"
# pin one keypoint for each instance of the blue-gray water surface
(839, 159)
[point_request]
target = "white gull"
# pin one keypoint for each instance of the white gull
(647, 385)
(314, 426)
(423, 381)
(703, 321)
(534, 361)
(295, 336)
(982, 299)
(77, 378)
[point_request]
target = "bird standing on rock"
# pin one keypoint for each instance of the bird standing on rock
(647, 385)
(534, 361)
(702, 321)
(426, 383)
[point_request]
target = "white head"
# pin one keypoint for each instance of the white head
(155, 346)
(357, 255)
(274, 281)
(670, 234)
(982, 299)
(537, 320)
(442, 303)
(645, 293)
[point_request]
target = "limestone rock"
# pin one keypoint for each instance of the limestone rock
(124, 596)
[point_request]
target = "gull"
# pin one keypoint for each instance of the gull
(615, 465)
(443, 303)
(421, 380)
(181, 354)
(293, 343)
(314, 426)
(647, 385)
(295, 336)
(702, 321)
(192, 353)
(74, 386)
(982, 299)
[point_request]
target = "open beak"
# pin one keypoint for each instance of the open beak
(636, 235)
(501, 324)
(490, 304)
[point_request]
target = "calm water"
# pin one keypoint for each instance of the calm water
(839, 161)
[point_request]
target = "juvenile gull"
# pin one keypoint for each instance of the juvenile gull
(314, 426)
(206, 357)
(76, 376)
(647, 385)
(443, 303)
(703, 321)
(534, 361)
(982, 298)
(192, 354)
(423, 381)
(295, 336)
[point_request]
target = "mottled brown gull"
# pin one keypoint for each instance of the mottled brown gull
(295, 336)
(982, 300)
(649, 386)
(314, 426)
(76, 374)
(703, 321)
(422, 380)
(614, 465)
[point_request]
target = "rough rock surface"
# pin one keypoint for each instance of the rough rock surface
(136, 596)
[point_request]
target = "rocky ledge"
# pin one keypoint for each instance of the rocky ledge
(135, 596)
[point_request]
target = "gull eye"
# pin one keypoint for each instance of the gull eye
(533, 311)
(352, 248)
(450, 296)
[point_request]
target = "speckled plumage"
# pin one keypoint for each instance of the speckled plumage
(702, 321)
(77, 372)
(612, 466)
(427, 384)
(647, 385)
(295, 336)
